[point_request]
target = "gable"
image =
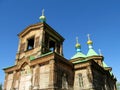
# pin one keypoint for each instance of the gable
(30, 28)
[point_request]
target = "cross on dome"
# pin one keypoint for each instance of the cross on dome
(89, 42)
(43, 12)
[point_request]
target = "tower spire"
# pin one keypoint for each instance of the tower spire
(77, 46)
(42, 17)
(89, 42)
(91, 51)
(78, 50)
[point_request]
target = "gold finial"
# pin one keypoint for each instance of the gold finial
(89, 42)
(77, 43)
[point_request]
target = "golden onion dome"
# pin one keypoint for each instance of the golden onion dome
(77, 45)
(89, 42)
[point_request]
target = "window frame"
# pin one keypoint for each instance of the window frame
(28, 43)
(80, 80)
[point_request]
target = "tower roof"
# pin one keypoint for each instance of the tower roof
(78, 50)
(104, 64)
(91, 51)
(37, 26)
(78, 54)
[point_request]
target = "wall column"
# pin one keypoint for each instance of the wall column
(14, 80)
(61, 48)
(52, 76)
(42, 40)
(36, 78)
(90, 77)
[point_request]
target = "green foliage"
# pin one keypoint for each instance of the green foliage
(118, 85)
(0, 86)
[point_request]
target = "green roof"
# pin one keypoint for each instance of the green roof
(104, 64)
(111, 73)
(31, 57)
(46, 54)
(78, 54)
(91, 52)
(42, 55)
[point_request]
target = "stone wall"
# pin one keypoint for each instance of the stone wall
(81, 81)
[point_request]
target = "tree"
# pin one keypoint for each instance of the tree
(0, 86)
(118, 85)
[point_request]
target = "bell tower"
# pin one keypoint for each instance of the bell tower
(39, 39)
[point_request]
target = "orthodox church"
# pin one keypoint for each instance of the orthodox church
(40, 64)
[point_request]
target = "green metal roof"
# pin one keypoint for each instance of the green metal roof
(91, 52)
(42, 55)
(78, 54)
(111, 73)
(46, 54)
(104, 64)
(32, 58)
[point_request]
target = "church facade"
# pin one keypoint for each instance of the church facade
(40, 64)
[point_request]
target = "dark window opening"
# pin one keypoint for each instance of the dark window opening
(30, 44)
(52, 46)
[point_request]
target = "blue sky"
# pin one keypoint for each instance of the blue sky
(71, 18)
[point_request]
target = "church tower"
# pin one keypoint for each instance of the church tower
(39, 64)
(39, 39)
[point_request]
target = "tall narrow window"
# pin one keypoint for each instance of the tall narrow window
(64, 82)
(80, 78)
(30, 44)
(52, 46)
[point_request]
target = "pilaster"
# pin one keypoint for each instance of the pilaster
(36, 78)
(52, 76)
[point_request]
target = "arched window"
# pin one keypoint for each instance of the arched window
(25, 70)
(80, 80)
(30, 44)
(52, 45)
(64, 82)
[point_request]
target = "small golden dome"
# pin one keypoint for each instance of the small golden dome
(89, 42)
(77, 45)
